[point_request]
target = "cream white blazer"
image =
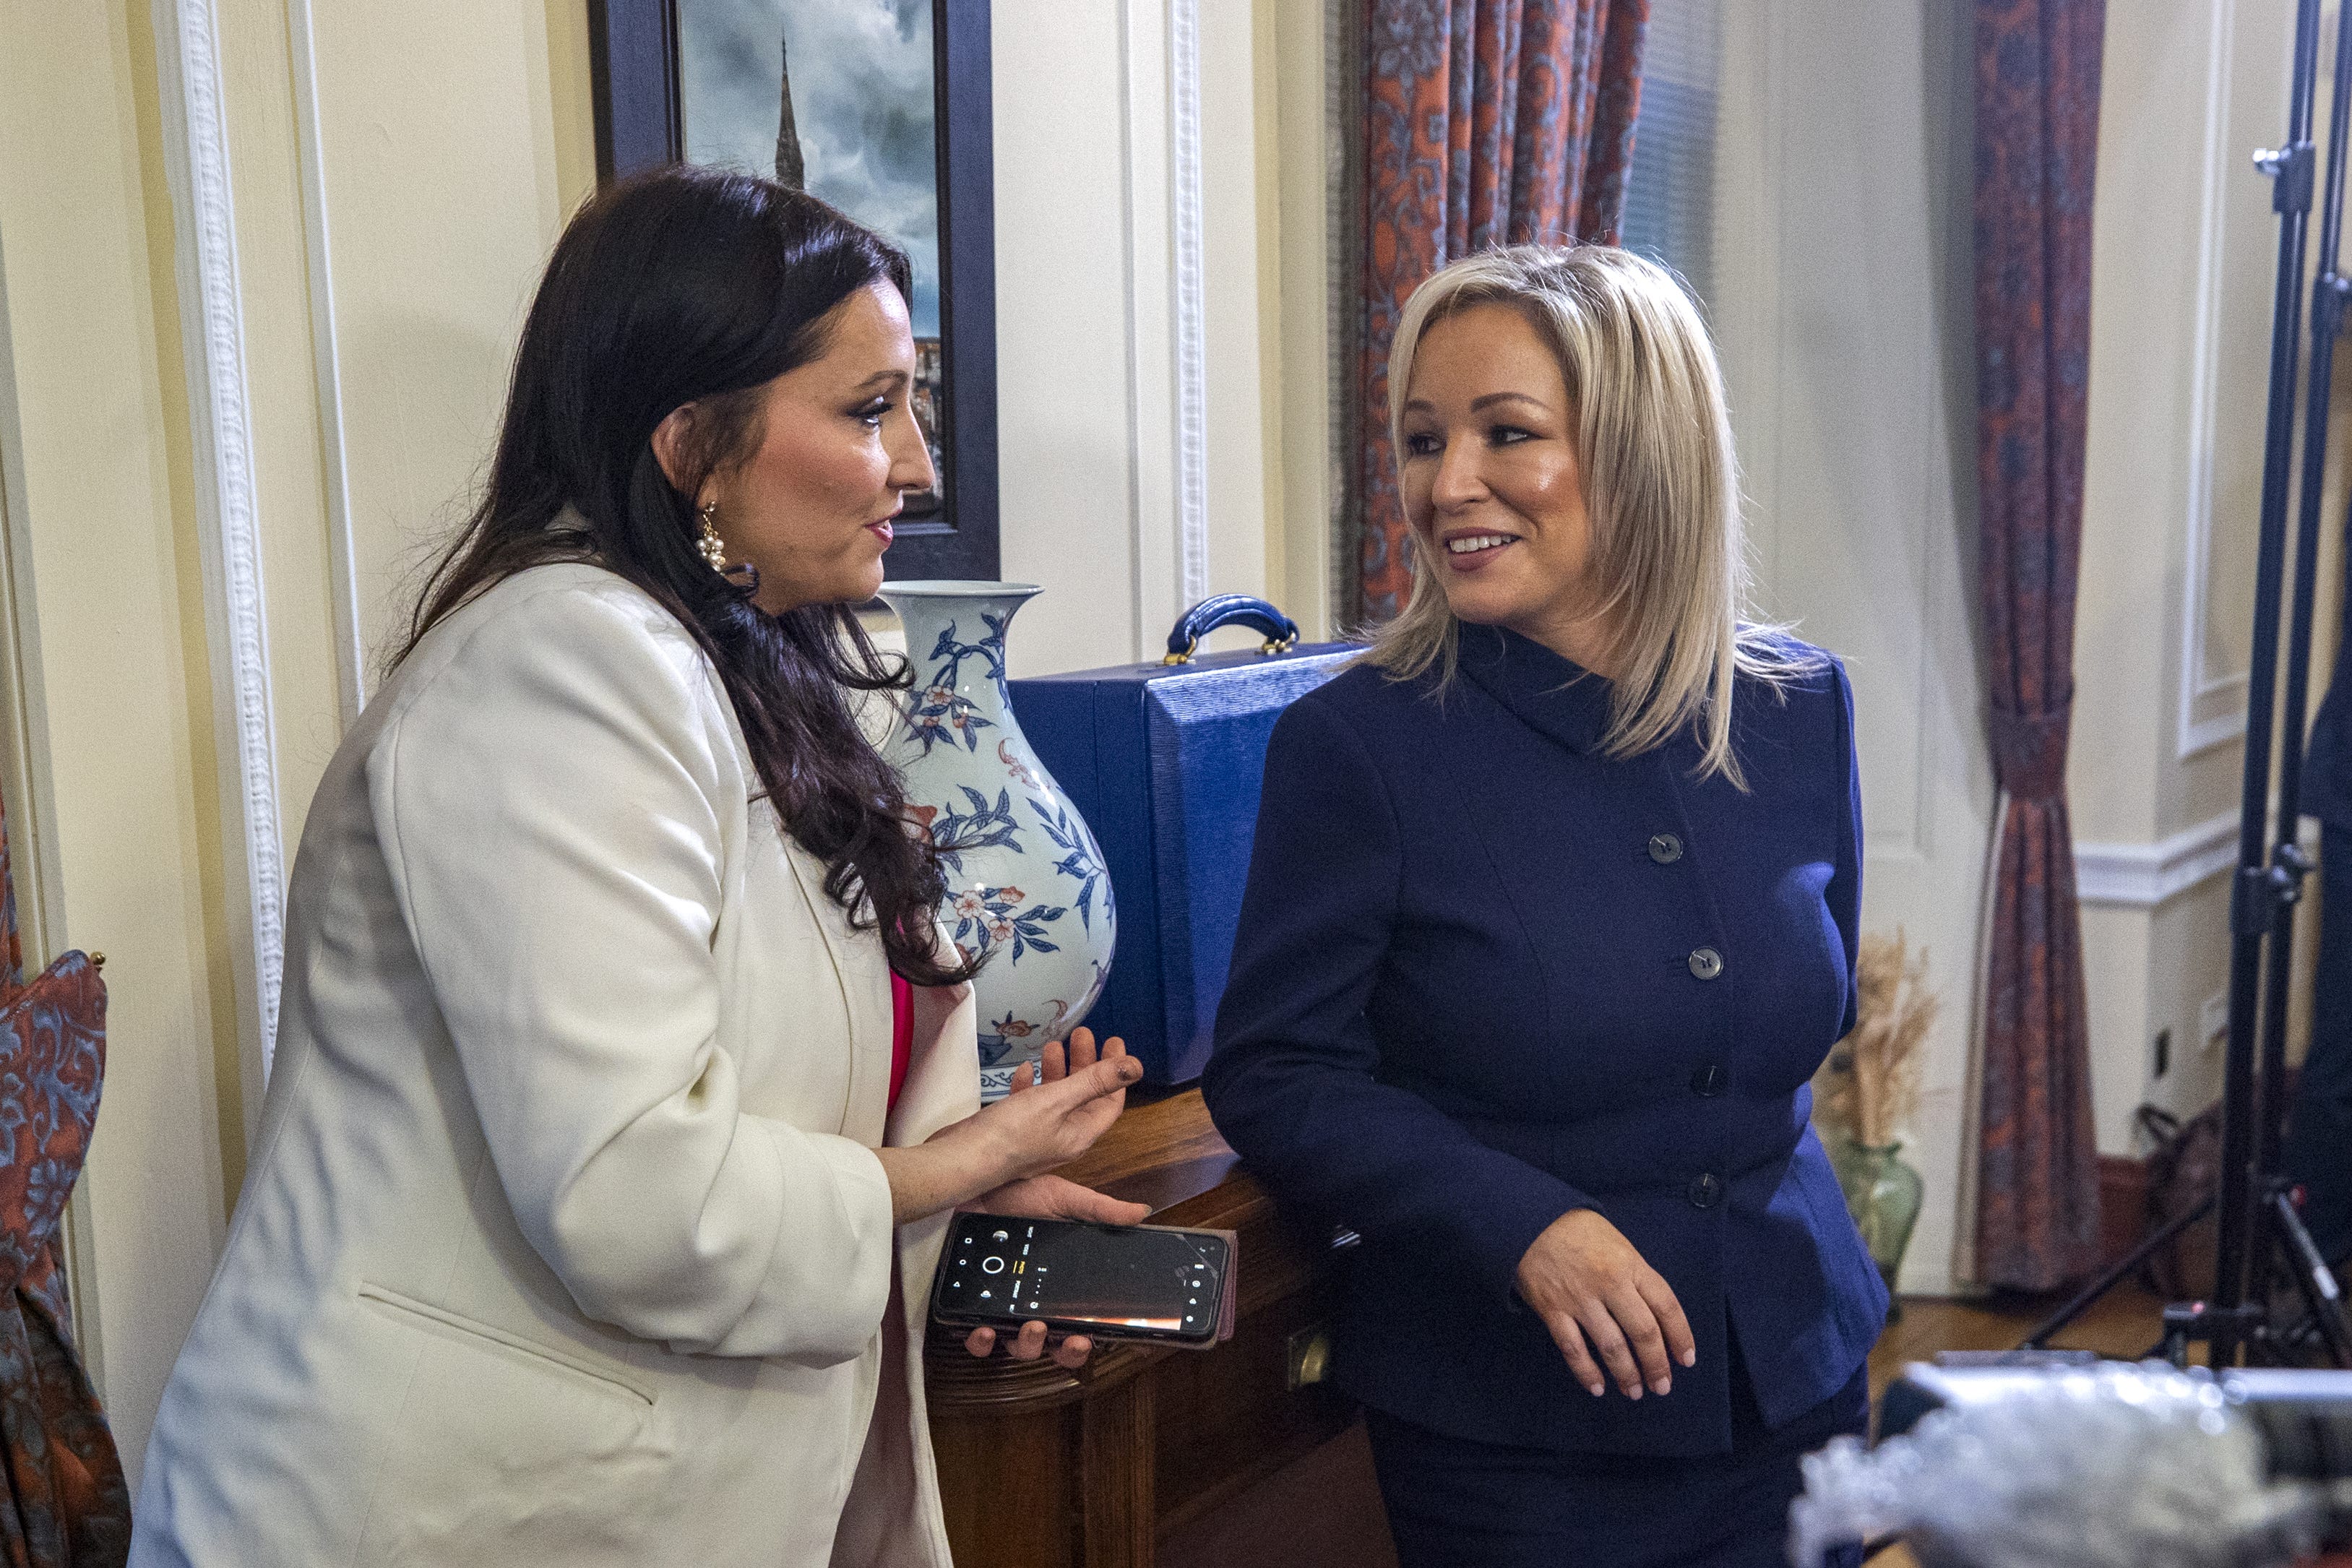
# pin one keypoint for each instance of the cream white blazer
(563, 1241)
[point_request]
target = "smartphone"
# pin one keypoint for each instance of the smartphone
(1116, 1281)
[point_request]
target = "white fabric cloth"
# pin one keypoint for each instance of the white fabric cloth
(563, 1240)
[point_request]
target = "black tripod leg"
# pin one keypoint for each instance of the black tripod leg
(2253, 905)
(2321, 1294)
(2329, 295)
(2057, 1322)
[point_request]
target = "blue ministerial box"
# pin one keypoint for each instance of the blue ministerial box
(1165, 762)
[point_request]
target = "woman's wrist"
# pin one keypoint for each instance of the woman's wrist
(925, 1180)
(1041, 1124)
(945, 1171)
(915, 1182)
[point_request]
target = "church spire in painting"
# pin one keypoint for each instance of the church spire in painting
(790, 171)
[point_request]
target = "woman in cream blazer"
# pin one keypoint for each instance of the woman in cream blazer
(582, 1228)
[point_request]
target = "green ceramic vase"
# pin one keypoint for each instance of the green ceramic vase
(1884, 1195)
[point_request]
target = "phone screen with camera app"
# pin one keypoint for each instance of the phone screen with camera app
(1119, 1281)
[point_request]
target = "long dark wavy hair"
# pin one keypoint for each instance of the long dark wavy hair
(697, 286)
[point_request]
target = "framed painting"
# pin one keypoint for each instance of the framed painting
(882, 108)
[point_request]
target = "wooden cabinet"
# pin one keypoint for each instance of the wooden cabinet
(1040, 1468)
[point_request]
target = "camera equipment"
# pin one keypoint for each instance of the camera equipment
(2047, 1462)
(2260, 1227)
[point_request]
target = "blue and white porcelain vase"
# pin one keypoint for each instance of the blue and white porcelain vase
(1027, 887)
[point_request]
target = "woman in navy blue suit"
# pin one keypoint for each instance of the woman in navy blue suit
(1551, 916)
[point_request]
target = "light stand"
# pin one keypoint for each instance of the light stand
(2256, 1203)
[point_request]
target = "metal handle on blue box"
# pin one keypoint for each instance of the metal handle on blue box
(1230, 610)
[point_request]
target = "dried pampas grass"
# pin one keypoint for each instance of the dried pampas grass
(1869, 1086)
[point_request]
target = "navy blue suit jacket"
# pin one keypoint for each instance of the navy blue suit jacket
(1485, 975)
(2328, 760)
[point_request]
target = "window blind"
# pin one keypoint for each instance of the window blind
(1670, 188)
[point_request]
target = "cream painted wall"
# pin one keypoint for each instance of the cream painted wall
(1087, 327)
(2184, 250)
(446, 189)
(1063, 243)
(1237, 189)
(1299, 69)
(109, 692)
(289, 476)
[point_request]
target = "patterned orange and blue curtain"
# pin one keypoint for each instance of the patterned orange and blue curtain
(65, 1503)
(2037, 118)
(1488, 122)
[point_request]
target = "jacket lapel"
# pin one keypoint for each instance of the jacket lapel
(1553, 696)
(942, 1082)
(863, 978)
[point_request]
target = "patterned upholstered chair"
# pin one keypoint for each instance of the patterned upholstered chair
(65, 1504)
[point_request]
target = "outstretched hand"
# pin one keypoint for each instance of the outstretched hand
(1041, 1125)
(1079, 1093)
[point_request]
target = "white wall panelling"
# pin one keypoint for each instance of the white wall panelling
(2143, 876)
(1153, 484)
(1312, 298)
(2211, 701)
(1156, 356)
(1189, 306)
(1135, 398)
(213, 332)
(350, 647)
(2236, 245)
(1167, 343)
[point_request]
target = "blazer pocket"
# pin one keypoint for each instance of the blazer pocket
(429, 1317)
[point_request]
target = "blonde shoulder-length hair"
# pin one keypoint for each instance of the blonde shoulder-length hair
(1661, 485)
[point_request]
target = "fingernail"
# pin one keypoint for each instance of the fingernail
(1129, 1069)
(1663, 1388)
(1635, 1391)
(1594, 1389)
(1690, 1358)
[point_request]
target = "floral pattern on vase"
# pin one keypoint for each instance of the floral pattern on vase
(1026, 885)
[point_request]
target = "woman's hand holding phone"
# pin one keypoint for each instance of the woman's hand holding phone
(1057, 1197)
(997, 1160)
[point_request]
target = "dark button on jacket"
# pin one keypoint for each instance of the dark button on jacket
(1451, 1019)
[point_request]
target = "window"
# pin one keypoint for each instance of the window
(1670, 189)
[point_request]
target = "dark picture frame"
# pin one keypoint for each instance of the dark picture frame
(640, 124)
